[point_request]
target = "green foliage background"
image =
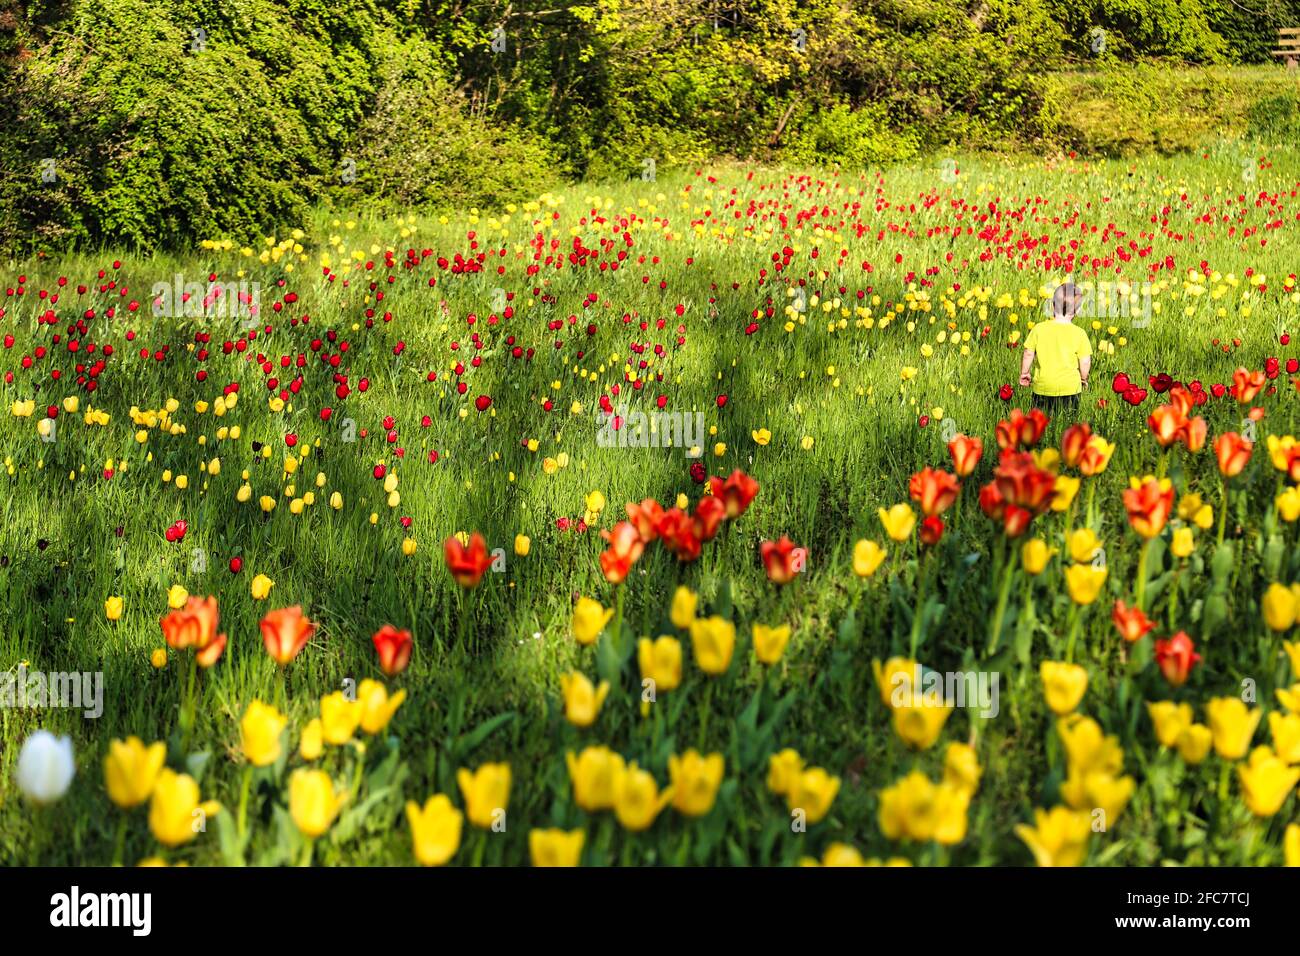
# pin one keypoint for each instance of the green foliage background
(160, 134)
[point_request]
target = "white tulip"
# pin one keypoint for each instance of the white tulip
(45, 767)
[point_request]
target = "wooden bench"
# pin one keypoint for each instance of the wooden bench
(1288, 41)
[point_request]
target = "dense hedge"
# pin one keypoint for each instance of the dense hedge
(152, 122)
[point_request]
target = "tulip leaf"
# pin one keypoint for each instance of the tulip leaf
(471, 741)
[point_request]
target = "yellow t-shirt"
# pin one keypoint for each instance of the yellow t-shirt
(1058, 346)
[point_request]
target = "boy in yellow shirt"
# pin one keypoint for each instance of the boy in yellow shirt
(1063, 352)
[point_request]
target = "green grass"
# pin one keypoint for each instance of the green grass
(483, 682)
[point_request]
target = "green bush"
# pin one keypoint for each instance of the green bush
(418, 146)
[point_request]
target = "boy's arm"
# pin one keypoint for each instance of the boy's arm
(1026, 364)
(1085, 366)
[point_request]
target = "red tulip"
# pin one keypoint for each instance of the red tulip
(394, 649)
(1176, 658)
(467, 564)
(782, 559)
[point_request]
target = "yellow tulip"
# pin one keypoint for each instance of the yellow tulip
(113, 608)
(783, 769)
(1087, 749)
(176, 816)
(961, 768)
(685, 602)
(1289, 698)
(1083, 545)
(898, 521)
(1266, 781)
(582, 700)
(486, 792)
(837, 854)
(1285, 731)
(595, 774)
(1291, 844)
(158, 658)
(1034, 555)
(1279, 607)
(770, 642)
(176, 597)
(1183, 542)
(1194, 744)
(1292, 649)
(435, 829)
(556, 847)
(1288, 504)
(1064, 490)
(312, 742)
(377, 706)
(895, 674)
(523, 544)
(259, 733)
(907, 809)
(1063, 685)
(919, 724)
(261, 587)
(812, 791)
(637, 800)
(695, 781)
(713, 640)
(313, 802)
(589, 619)
(1170, 720)
(1232, 724)
(660, 661)
(1084, 582)
(339, 718)
(867, 557)
(131, 769)
(1059, 837)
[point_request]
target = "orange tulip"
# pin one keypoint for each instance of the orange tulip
(645, 518)
(285, 632)
(1246, 384)
(625, 547)
(1022, 483)
(1021, 430)
(1233, 452)
(1131, 622)
(934, 489)
(1168, 423)
(467, 564)
(1181, 398)
(1195, 433)
(394, 649)
(1074, 442)
(966, 453)
(1149, 505)
(194, 625)
(209, 655)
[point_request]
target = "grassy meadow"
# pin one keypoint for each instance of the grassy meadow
(409, 380)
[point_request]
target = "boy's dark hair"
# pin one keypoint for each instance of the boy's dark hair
(1066, 299)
